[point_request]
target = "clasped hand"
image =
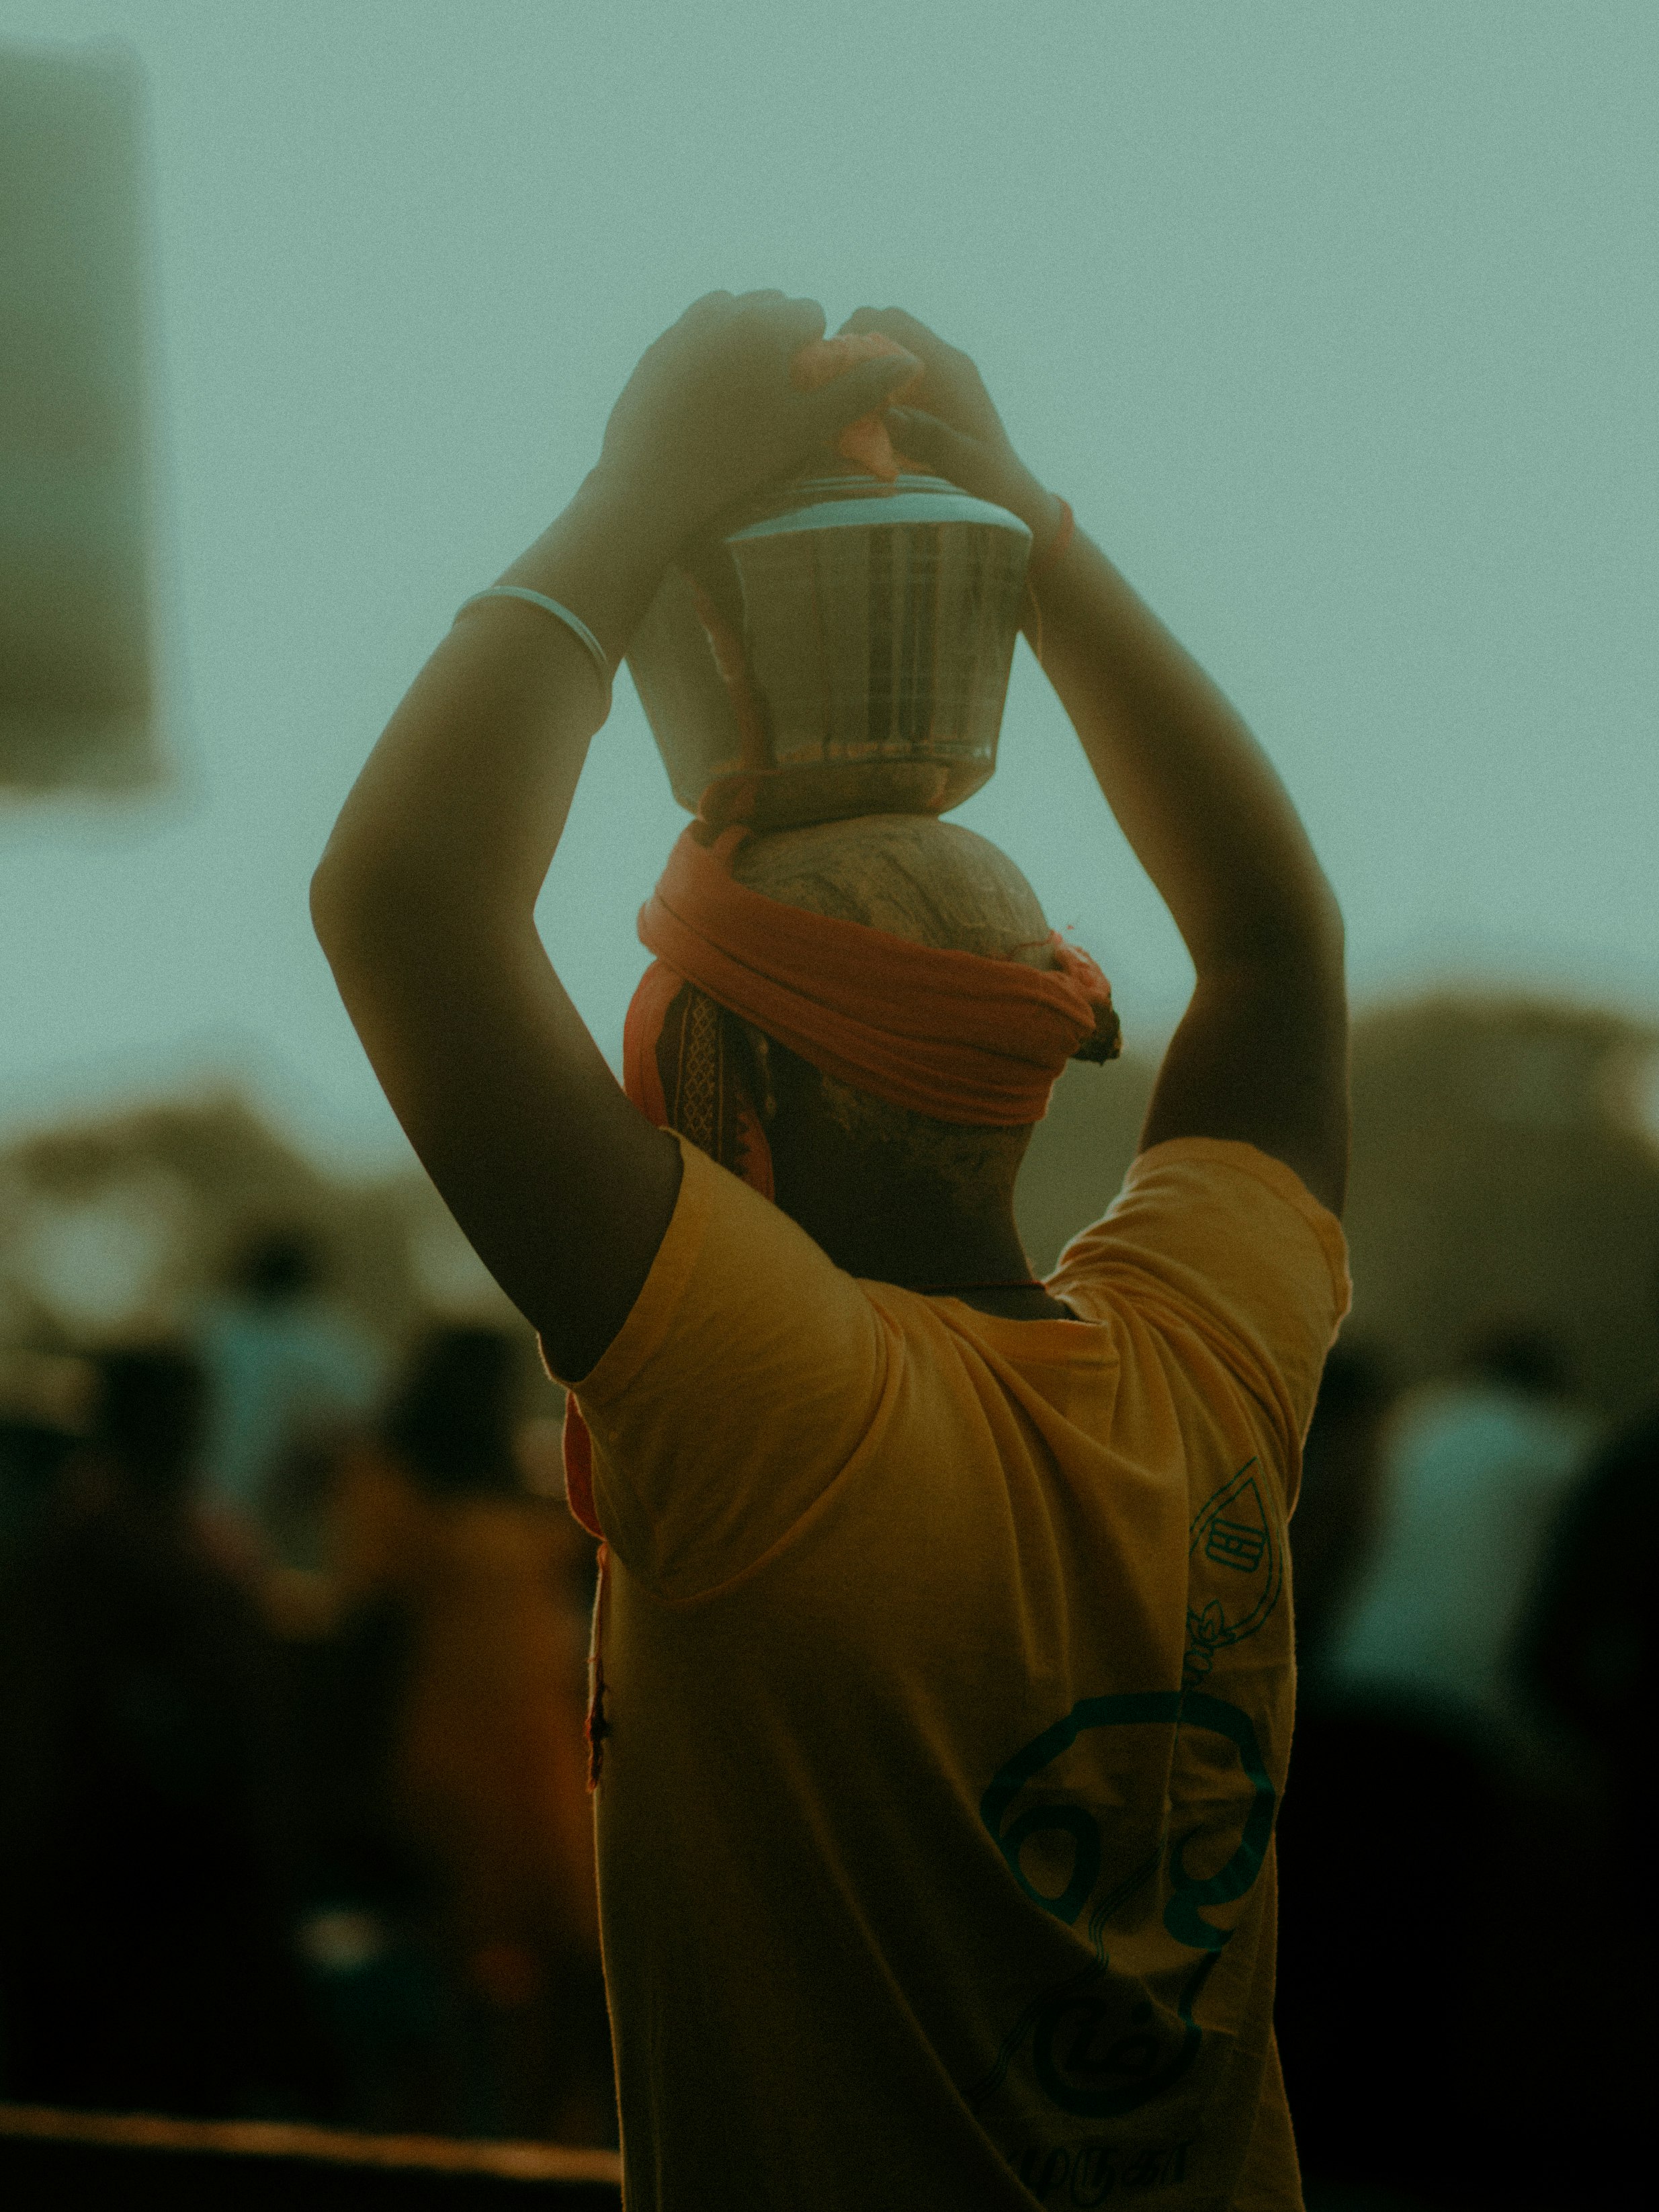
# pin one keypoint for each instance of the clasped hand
(711, 413)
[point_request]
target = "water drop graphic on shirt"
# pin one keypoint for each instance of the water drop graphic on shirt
(1237, 1571)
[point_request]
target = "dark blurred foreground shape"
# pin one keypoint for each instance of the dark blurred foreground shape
(78, 676)
(146, 1837)
(1467, 1804)
(1588, 1652)
(51, 2159)
(332, 1866)
(1339, 1505)
(302, 1659)
(451, 1917)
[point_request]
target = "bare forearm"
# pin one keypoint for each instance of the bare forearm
(462, 800)
(1195, 795)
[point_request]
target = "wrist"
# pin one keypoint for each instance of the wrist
(1043, 513)
(604, 558)
(638, 518)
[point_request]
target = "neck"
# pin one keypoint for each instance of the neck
(906, 1236)
(922, 1236)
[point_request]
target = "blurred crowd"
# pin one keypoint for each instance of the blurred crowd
(293, 1650)
(294, 1824)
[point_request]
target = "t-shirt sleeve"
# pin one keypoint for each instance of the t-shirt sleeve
(1213, 1239)
(748, 1374)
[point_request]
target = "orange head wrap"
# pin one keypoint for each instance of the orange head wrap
(948, 1034)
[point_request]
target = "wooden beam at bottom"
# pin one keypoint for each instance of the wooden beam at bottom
(54, 2158)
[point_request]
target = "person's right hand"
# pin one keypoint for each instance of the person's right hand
(949, 424)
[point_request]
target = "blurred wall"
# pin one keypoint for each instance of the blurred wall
(1501, 1171)
(76, 673)
(120, 1223)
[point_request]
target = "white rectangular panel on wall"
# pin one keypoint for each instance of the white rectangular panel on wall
(77, 673)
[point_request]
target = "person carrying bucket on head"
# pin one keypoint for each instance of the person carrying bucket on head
(943, 1676)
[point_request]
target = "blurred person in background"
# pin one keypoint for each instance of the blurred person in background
(1438, 2006)
(461, 1649)
(145, 1836)
(1585, 1654)
(1586, 1659)
(1338, 1506)
(45, 1402)
(293, 1374)
(1475, 1470)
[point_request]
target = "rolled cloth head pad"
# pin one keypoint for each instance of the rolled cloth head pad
(910, 875)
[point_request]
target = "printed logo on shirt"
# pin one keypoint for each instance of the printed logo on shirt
(1232, 1532)
(1088, 2170)
(1108, 2038)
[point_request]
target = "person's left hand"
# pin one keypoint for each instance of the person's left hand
(710, 414)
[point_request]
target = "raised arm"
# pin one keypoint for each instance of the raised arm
(1261, 1052)
(424, 900)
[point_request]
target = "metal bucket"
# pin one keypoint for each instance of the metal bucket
(842, 648)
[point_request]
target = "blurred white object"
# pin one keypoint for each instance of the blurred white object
(77, 677)
(1474, 1474)
(285, 1377)
(339, 1941)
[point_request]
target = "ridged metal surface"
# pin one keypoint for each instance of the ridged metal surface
(843, 649)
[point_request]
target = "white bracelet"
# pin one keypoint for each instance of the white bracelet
(551, 607)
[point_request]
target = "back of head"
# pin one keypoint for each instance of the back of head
(933, 884)
(454, 1415)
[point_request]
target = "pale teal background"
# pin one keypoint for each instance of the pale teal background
(1337, 323)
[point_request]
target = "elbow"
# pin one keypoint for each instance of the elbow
(1329, 930)
(1308, 933)
(1303, 935)
(320, 900)
(355, 908)
(394, 915)
(337, 904)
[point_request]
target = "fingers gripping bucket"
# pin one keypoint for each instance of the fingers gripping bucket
(842, 648)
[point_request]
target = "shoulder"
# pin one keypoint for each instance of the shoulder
(729, 1257)
(1222, 1251)
(1203, 1208)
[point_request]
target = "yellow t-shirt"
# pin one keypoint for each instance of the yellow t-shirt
(948, 1666)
